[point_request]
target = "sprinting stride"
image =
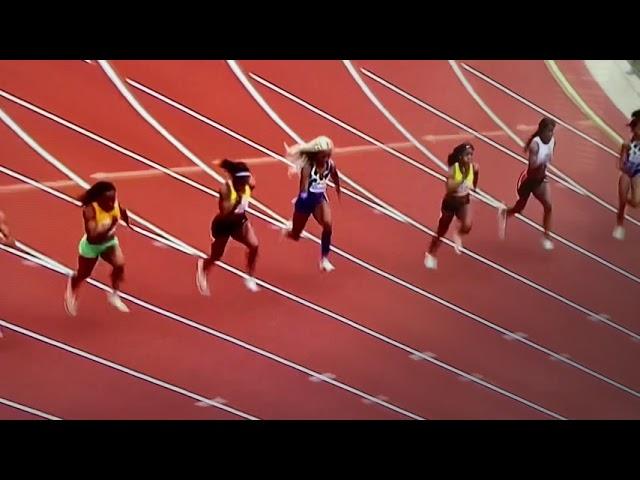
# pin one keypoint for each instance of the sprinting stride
(5, 233)
(313, 161)
(629, 182)
(231, 222)
(101, 213)
(463, 176)
(534, 181)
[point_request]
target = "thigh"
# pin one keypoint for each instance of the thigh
(217, 246)
(246, 236)
(86, 266)
(635, 188)
(463, 213)
(322, 213)
(113, 256)
(543, 193)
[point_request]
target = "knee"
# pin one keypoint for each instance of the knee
(465, 228)
(81, 276)
(547, 207)
(118, 270)
(253, 248)
(327, 228)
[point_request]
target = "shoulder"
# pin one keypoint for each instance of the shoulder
(476, 167)
(89, 212)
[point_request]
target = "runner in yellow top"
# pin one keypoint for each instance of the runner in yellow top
(101, 213)
(463, 176)
(232, 222)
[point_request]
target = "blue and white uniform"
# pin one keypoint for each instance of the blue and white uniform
(631, 164)
(317, 190)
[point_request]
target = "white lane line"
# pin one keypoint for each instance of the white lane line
(24, 136)
(353, 324)
(555, 173)
(25, 408)
(368, 266)
(538, 109)
(274, 116)
(303, 302)
(492, 200)
(484, 260)
(117, 366)
(503, 149)
(53, 265)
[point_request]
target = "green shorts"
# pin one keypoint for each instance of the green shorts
(89, 250)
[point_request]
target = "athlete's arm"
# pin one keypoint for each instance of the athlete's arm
(452, 183)
(224, 202)
(304, 179)
(624, 150)
(125, 216)
(335, 177)
(533, 155)
(90, 225)
(5, 233)
(476, 176)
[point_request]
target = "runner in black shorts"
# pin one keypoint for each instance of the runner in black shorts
(232, 222)
(534, 181)
(463, 175)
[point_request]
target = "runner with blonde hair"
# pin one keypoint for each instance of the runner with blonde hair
(313, 162)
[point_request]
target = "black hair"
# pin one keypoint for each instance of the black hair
(233, 168)
(456, 154)
(634, 121)
(544, 123)
(96, 191)
(636, 114)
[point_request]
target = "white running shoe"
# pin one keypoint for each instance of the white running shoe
(325, 265)
(547, 244)
(116, 301)
(251, 284)
(70, 301)
(502, 222)
(201, 279)
(430, 261)
(457, 243)
(618, 232)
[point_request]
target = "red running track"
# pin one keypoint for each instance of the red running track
(82, 94)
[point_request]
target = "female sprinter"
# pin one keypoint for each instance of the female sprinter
(101, 213)
(463, 175)
(232, 222)
(540, 149)
(314, 162)
(629, 182)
